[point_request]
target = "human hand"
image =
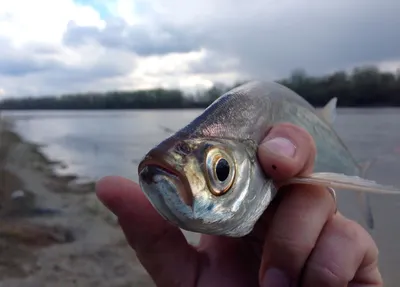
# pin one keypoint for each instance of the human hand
(299, 240)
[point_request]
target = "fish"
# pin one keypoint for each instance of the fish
(206, 177)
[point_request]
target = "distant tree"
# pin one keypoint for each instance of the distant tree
(364, 86)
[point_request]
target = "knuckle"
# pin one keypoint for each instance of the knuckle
(354, 232)
(290, 246)
(327, 274)
(349, 230)
(343, 246)
(292, 131)
(299, 132)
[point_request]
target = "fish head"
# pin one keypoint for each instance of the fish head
(206, 185)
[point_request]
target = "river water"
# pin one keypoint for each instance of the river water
(94, 144)
(97, 143)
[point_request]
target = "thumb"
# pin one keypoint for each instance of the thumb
(287, 150)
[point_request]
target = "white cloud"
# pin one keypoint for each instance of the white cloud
(43, 21)
(49, 46)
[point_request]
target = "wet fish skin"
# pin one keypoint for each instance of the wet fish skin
(175, 181)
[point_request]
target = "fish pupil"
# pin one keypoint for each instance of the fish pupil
(222, 169)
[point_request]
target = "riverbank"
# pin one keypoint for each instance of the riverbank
(54, 231)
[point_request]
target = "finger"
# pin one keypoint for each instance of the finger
(293, 232)
(344, 253)
(286, 151)
(156, 242)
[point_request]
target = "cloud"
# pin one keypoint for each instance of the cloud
(270, 38)
(21, 62)
(124, 44)
(139, 39)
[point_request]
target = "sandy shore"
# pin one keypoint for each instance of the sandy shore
(54, 232)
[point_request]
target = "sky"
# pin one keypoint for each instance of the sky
(50, 47)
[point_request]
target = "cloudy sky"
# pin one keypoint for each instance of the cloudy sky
(61, 46)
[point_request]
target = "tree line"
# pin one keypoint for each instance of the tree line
(365, 86)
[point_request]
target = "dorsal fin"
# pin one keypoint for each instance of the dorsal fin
(328, 112)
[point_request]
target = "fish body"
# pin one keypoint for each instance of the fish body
(206, 177)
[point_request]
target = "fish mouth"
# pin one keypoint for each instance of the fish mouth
(151, 169)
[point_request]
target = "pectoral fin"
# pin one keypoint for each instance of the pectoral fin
(342, 181)
(337, 180)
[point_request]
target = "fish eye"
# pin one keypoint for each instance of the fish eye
(220, 171)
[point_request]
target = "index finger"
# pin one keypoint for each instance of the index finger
(156, 242)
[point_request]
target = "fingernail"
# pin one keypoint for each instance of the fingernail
(280, 146)
(275, 277)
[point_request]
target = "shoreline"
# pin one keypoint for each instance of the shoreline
(43, 161)
(53, 229)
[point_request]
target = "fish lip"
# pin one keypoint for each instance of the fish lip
(155, 157)
(159, 163)
(181, 183)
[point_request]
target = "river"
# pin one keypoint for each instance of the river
(94, 144)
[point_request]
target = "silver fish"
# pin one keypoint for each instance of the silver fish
(206, 178)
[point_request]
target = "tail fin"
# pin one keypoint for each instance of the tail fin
(364, 197)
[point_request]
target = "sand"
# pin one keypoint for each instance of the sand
(54, 232)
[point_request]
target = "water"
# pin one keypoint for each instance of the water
(98, 143)
(94, 144)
